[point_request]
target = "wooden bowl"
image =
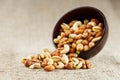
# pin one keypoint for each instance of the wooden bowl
(81, 14)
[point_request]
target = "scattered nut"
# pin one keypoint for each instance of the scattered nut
(50, 61)
(65, 59)
(28, 63)
(46, 50)
(47, 55)
(49, 68)
(35, 66)
(88, 64)
(69, 65)
(23, 60)
(75, 62)
(79, 65)
(60, 65)
(43, 64)
(55, 53)
(41, 56)
(56, 58)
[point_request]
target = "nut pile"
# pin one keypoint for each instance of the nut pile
(73, 39)
(79, 37)
(55, 60)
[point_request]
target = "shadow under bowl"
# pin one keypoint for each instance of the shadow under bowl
(82, 13)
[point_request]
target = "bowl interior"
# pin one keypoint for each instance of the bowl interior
(81, 14)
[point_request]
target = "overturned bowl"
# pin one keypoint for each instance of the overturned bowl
(81, 14)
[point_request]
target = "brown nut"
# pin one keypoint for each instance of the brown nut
(69, 65)
(72, 50)
(35, 60)
(28, 63)
(80, 59)
(43, 64)
(60, 45)
(79, 36)
(93, 33)
(95, 20)
(62, 34)
(55, 64)
(80, 31)
(49, 68)
(84, 66)
(72, 55)
(73, 45)
(98, 34)
(84, 42)
(55, 53)
(71, 30)
(83, 27)
(90, 38)
(64, 39)
(69, 40)
(88, 64)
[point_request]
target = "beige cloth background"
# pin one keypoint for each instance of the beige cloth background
(26, 28)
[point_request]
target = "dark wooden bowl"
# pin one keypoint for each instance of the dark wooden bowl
(81, 14)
